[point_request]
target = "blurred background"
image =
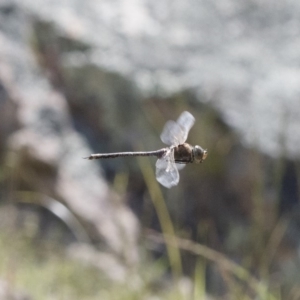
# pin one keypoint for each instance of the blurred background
(82, 77)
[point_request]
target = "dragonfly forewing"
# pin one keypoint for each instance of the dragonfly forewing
(171, 134)
(180, 166)
(175, 133)
(185, 122)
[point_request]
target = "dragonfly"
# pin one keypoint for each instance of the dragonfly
(171, 158)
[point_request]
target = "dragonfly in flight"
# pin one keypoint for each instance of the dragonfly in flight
(172, 157)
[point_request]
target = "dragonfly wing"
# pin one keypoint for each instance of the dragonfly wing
(166, 171)
(175, 133)
(185, 122)
(170, 133)
(180, 166)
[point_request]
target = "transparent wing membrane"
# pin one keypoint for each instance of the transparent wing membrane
(175, 133)
(185, 122)
(166, 170)
(180, 166)
(171, 134)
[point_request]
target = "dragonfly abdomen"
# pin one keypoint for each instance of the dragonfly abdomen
(157, 153)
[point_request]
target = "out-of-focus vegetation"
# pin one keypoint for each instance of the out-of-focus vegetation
(44, 271)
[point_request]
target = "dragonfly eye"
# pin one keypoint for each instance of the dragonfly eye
(199, 154)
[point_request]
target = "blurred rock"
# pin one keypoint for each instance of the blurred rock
(240, 56)
(44, 152)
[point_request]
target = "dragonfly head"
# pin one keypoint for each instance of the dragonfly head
(199, 154)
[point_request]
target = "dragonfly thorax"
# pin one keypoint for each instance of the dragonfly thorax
(185, 153)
